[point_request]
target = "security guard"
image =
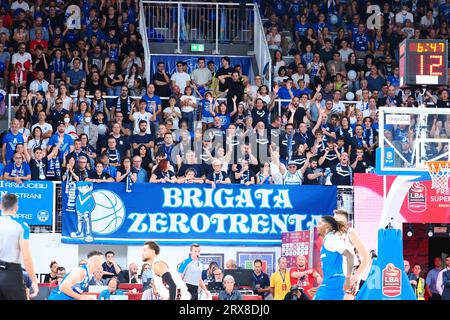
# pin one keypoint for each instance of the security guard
(14, 242)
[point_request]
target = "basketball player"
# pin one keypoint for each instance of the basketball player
(77, 280)
(357, 248)
(85, 204)
(167, 281)
(335, 283)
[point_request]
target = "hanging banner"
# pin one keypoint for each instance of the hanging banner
(35, 200)
(191, 60)
(170, 214)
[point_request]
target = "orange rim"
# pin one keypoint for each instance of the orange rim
(437, 166)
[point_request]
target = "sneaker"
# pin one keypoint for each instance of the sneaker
(89, 238)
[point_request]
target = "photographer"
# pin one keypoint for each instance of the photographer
(296, 293)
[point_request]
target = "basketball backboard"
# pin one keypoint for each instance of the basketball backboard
(410, 137)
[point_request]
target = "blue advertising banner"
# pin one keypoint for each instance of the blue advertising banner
(191, 60)
(173, 214)
(35, 200)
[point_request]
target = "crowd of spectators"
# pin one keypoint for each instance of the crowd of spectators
(212, 124)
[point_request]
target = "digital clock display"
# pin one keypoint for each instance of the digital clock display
(423, 62)
(420, 47)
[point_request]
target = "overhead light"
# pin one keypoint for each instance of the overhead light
(410, 230)
(430, 231)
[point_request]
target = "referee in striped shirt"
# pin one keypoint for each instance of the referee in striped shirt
(14, 244)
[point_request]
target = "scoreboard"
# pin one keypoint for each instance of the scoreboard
(423, 62)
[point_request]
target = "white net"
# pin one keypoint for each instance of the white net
(440, 174)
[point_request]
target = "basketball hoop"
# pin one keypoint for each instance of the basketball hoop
(439, 173)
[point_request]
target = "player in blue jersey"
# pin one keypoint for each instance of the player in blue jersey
(335, 282)
(77, 280)
(85, 204)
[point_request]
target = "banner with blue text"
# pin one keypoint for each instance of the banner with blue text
(35, 200)
(173, 214)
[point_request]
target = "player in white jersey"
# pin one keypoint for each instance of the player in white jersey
(354, 244)
(167, 282)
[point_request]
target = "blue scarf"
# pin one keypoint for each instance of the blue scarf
(119, 104)
(54, 168)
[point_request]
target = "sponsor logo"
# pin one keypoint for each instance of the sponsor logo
(43, 216)
(392, 281)
(417, 197)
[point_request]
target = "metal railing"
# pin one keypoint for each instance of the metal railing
(143, 31)
(262, 53)
(344, 201)
(199, 21)
(278, 102)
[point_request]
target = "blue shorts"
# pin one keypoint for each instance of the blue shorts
(331, 289)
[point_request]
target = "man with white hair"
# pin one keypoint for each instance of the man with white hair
(229, 293)
(217, 176)
(130, 275)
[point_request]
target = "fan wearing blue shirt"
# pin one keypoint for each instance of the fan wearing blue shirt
(295, 9)
(287, 93)
(153, 101)
(113, 284)
(361, 41)
(301, 26)
(17, 170)
(280, 8)
(10, 141)
(67, 145)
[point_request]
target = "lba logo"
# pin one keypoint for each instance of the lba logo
(392, 281)
(417, 197)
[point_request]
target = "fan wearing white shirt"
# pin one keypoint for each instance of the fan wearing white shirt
(345, 51)
(46, 128)
(21, 57)
(40, 84)
(338, 106)
(404, 15)
(293, 175)
(180, 78)
(20, 4)
(172, 112)
(300, 75)
(141, 115)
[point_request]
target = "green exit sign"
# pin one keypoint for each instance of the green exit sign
(196, 47)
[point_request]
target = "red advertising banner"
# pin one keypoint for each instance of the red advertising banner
(420, 204)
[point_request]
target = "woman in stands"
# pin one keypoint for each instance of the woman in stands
(37, 141)
(52, 275)
(357, 249)
(162, 173)
(264, 176)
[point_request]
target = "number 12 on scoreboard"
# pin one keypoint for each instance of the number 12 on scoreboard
(431, 66)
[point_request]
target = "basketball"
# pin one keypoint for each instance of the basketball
(109, 212)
